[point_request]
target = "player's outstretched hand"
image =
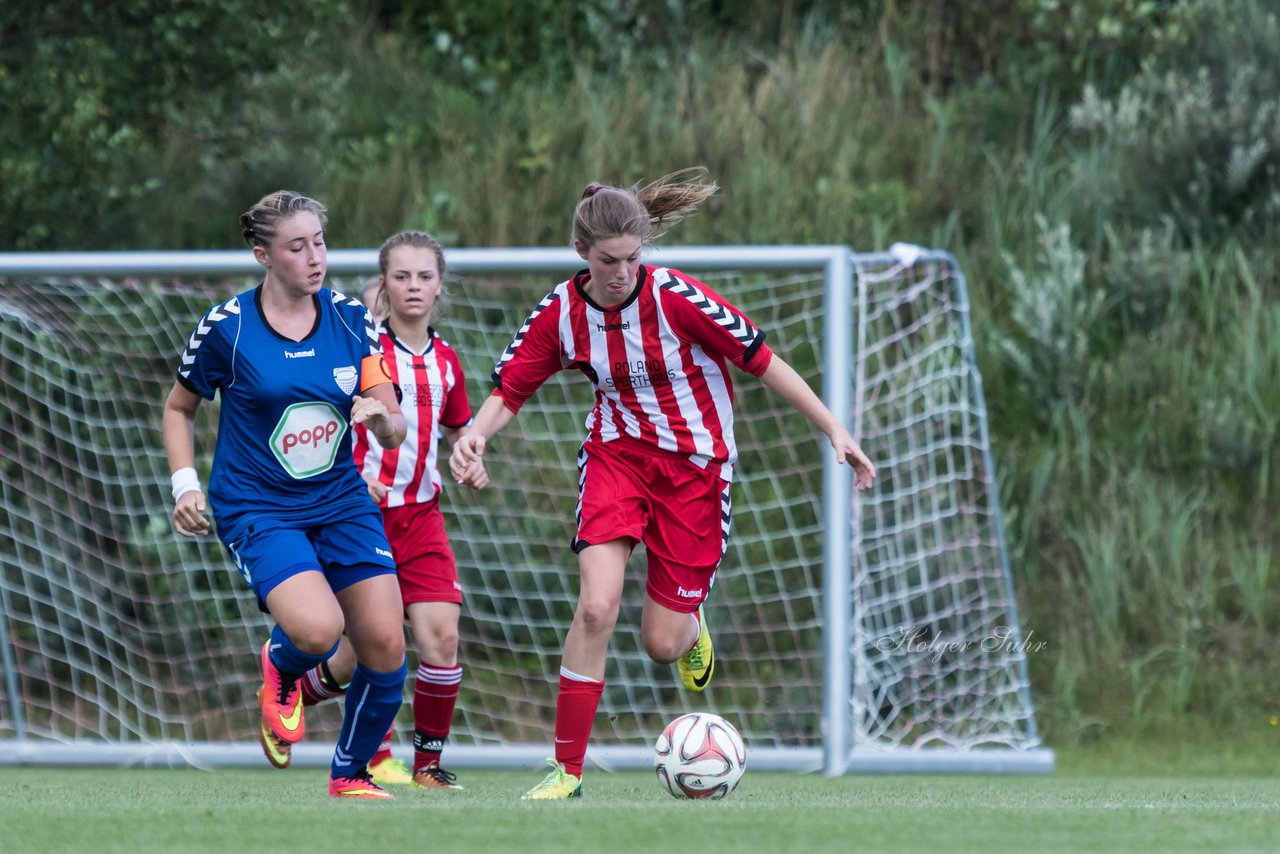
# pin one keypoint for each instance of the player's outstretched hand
(864, 473)
(366, 409)
(188, 516)
(466, 455)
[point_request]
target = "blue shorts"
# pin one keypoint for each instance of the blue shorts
(347, 548)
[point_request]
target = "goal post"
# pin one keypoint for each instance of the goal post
(874, 633)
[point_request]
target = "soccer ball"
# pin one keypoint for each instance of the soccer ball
(699, 755)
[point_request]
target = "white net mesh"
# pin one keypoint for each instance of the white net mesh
(937, 649)
(118, 630)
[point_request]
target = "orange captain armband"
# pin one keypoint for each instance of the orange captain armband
(373, 371)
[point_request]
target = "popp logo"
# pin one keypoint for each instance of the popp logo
(310, 436)
(306, 440)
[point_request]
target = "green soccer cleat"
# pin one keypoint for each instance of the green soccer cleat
(698, 664)
(390, 772)
(558, 785)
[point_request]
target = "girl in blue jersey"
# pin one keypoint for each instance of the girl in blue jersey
(296, 366)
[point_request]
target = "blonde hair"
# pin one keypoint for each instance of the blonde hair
(645, 212)
(258, 225)
(418, 239)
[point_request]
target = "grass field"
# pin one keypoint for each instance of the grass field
(54, 810)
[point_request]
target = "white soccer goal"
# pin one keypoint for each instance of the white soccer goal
(868, 634)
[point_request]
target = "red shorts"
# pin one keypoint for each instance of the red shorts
(679, 511)
(424, 560)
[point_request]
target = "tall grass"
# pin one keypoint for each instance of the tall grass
(1131, 355)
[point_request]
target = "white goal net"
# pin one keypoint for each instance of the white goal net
(872, 635)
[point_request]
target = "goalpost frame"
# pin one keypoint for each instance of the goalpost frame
(843, 393)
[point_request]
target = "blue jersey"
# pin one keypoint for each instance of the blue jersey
(284, 435)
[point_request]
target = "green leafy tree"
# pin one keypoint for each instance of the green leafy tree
(87, 86)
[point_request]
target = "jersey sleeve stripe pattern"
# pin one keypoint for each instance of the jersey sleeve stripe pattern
(510, 352)
(371, 327)
(749, 336)
(230, 308)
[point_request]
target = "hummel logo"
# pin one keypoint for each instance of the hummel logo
(689, 594)
(382, 552)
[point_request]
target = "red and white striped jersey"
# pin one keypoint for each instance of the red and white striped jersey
(434, 395)
(658, 362)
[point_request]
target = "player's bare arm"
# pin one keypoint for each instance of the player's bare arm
(783, 379)
(377, 408)
(467, 451)
(178, 430)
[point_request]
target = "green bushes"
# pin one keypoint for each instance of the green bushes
(88, 88)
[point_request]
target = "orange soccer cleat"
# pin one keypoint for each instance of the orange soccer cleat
(434, 777)
(358, 785)
(281, 702)
(279, 753)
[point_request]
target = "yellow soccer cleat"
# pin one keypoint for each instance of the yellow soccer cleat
(558, 785)
(698, 664)
(390, 772)
(279, 753)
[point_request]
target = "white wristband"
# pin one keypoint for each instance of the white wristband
(183, 481)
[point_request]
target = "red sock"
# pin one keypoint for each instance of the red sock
(434, 695)
(318, 685)
(384, 749)
(575, 713)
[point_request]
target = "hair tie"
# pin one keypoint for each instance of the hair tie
(592, 188)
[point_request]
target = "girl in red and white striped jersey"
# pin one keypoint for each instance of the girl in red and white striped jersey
(659, 453)
(405, 483)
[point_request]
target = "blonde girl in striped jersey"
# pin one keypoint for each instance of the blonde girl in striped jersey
(658, 458)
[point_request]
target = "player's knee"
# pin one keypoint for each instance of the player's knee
(438, 645)
(392, 645)
(317, 637)
(382, 648)
(663, 649)
(447, 643)
(598, 616)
